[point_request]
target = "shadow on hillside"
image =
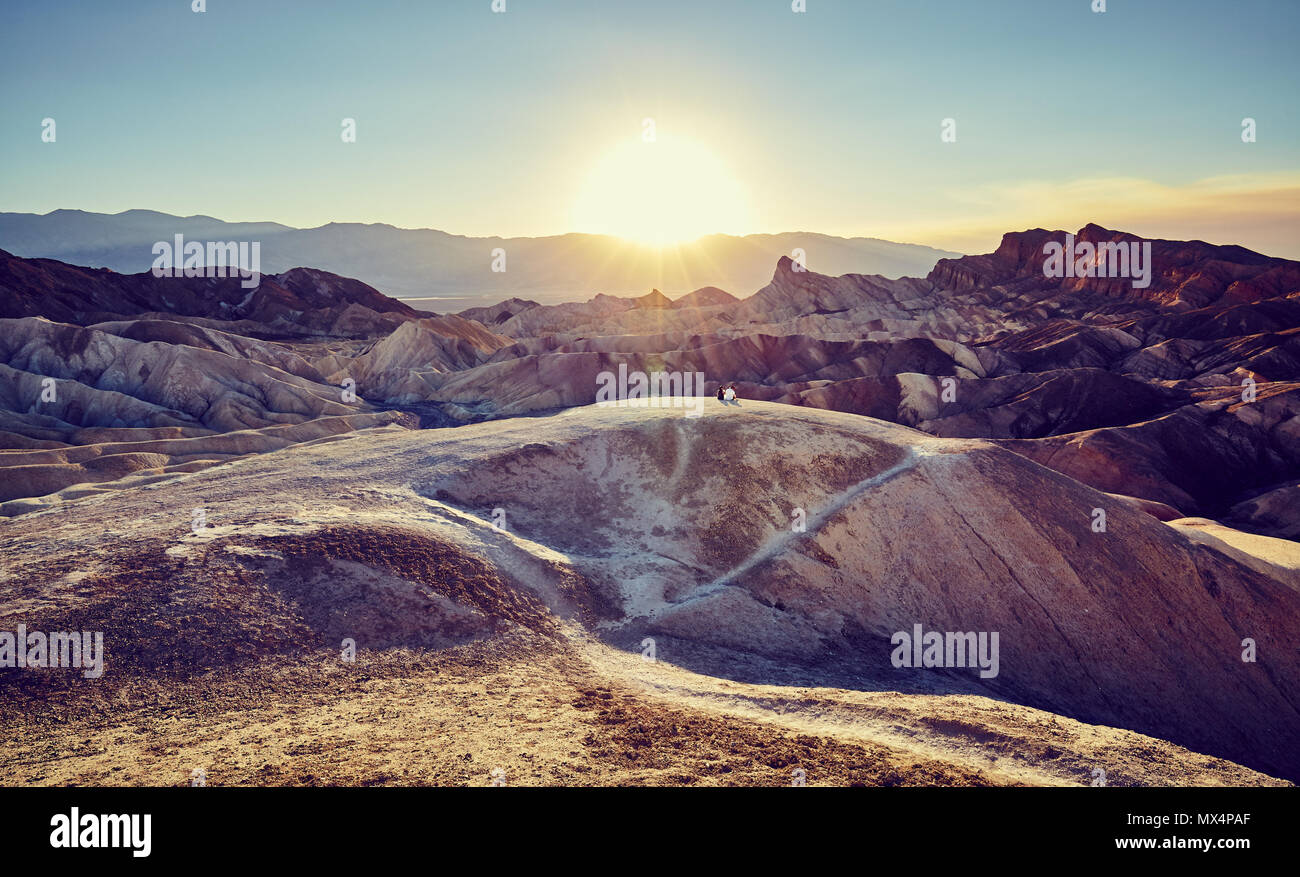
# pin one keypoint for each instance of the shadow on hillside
(844, 670)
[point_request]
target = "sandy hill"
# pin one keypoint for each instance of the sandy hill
(551, 548)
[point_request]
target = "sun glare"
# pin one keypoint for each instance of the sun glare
(663, 192)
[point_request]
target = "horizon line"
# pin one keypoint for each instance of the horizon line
(570, 233)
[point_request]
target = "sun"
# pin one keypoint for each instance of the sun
(666, 191)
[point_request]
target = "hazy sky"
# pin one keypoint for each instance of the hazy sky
(482, 123)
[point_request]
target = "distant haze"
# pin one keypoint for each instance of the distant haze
(456, 270)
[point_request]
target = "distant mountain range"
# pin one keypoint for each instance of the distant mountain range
(458, 270)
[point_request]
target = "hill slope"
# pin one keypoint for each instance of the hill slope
(616, 524)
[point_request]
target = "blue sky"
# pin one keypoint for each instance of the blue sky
(481, 123)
